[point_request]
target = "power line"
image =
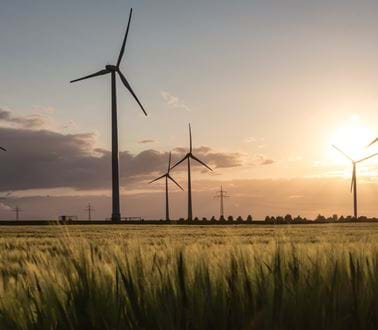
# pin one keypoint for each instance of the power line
(221, 195)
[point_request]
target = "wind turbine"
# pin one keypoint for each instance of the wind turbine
(353, 187)
(167, 176)
(188, 157)
(113, 70)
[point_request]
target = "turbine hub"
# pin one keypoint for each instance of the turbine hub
(111, 67)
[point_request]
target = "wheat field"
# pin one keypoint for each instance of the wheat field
(189, 277)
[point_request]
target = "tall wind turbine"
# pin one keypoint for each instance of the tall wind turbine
(188, 157)
(167, 176)
(113, 70)
(353, 187)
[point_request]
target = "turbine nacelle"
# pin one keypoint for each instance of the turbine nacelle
(190, 155)
(111, 67)
(168, 175)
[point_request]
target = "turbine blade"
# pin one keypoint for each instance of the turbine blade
(179, 162)
(3, 149)
(366, 158)
(353, 178)
(169, 162)
(124, 40)
(99, 73)
(127, 85)
(190, 137)
(172, 179)
(159, 178)
(339, 150)
(371, 143)
(201, 162)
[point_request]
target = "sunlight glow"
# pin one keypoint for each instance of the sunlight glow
(352, 138)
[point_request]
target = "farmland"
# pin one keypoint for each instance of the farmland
(189, 277)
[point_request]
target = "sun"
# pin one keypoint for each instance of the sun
(352, 137)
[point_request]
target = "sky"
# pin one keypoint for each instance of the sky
(268, 87)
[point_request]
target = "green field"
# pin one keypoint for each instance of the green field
(189, 277)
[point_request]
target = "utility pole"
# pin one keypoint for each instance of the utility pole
(17, 210)
(89, 209)
(221, 195)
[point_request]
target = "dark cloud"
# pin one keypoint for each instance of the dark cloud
(31, 121)
(211, 157)
(267, 162)
(44, 159)
(146, 141)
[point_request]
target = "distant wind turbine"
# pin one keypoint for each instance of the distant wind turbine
(353, 187)
(189, 156)
(113, 70)
(371, 143)
(167, 176)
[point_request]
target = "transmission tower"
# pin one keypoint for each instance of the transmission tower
(89, 209)
(17, 210)
(221, 194)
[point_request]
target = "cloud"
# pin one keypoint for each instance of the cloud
(71, 124)
(146, 141)
(211, 157)
(5, 207)
(263, 160)
(29, 121)
(173, 101)
(44, 159)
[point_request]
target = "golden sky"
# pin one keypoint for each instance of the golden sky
(268, 86)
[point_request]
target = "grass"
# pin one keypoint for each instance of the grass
(168, 277)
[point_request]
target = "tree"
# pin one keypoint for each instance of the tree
(288, 218)
(320, 218)
(279, 219)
